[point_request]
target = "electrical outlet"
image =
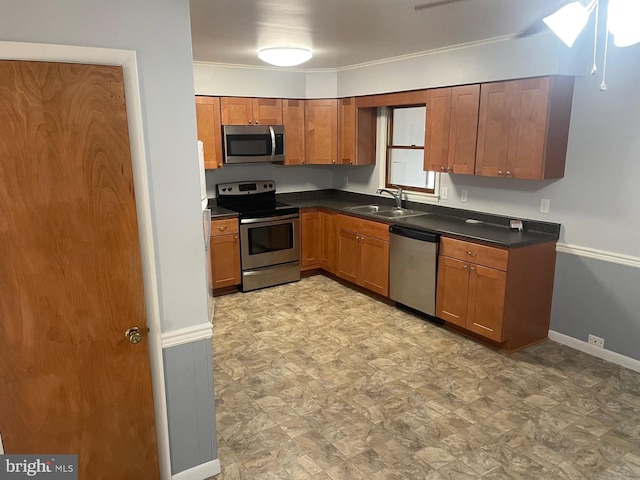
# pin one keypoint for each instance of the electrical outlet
(346, 181)
(545, 203)
(596, 341)
(444, 193)
(463, 195)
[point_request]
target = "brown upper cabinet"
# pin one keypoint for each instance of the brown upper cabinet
(209, 130)
(451, 129)
(293, 119)
(251, 111)
(356, 133)
(322, 131)
(523, 128)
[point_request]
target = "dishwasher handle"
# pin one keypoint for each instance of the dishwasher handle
(415, 234)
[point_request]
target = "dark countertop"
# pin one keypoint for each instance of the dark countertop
(494, 230)
(218, 213)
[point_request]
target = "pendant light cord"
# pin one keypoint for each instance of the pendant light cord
(594, 69)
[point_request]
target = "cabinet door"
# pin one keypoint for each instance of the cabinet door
(328, 244)
(452, 290)
(463, 130)
(527, 132)
(347, 131)
(310, 240)
(374, 265)
(487, 289)
(322, 131)
(225, 260)
(347, 255)
(293, 120)
(493, 129)
(236, 110)
(209, 130)
(267, 111)
(436, 131)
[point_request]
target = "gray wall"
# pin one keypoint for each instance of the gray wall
(190, 404)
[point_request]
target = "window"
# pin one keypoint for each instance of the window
(405, 150)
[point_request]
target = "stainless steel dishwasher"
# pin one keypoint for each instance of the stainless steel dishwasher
(413, 259)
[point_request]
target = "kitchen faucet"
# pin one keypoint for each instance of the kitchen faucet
(397, 195)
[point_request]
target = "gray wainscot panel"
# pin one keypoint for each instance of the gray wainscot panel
(597, 297)
(190, 404)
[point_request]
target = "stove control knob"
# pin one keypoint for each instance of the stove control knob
(271, 185)
(224, 189)
(230, 188)
(265, 185)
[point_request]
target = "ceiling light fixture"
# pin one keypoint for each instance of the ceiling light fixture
(623, 23)
(284, 56)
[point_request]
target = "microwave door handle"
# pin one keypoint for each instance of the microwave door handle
(273, 143)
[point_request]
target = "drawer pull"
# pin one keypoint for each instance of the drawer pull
(470, 253)
(473, 268)
(465, 266)
(483, 327)
(222, 228)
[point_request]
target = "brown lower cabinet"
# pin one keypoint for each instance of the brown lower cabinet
(503, 295)
(317, 240)
(225, 253)
(362, 253)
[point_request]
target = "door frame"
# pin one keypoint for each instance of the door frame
(128, 61)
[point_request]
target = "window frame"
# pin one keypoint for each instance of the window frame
(389, 147)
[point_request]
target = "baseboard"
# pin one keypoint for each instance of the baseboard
(608, 355)
(200, 472)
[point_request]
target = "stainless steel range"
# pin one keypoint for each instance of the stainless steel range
(269, 233)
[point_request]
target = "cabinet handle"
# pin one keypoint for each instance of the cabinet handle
(473, 268)
(235, 236)
(508, 173)
(350, 162)
(465, 266)
(257, 122)
(449, 170)
(471, 254)
(219, 164)
(333, 161)
(222, 228)
(499, 172)
(442, 169)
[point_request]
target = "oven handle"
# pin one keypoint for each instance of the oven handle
(269, 219)
(273, 143)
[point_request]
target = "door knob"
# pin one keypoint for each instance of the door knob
(134, 335)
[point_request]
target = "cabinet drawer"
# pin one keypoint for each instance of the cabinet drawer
(224, 227)
(365, 227)
(474, 253)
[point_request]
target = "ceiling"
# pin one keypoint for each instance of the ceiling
(342, 33)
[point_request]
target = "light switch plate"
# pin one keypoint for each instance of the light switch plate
(463, 195)
(444, 193)
(545, 203)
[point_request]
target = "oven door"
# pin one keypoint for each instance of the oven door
(269, 241)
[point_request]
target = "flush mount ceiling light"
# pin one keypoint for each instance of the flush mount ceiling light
(284, 56)
(623, 23)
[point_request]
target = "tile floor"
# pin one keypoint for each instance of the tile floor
(316, 381)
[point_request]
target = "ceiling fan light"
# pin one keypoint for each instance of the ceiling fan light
(624, 22)
(284, 56)
(568, 22)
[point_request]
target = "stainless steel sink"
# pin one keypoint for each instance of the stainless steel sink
(369, 208)
(399, 213)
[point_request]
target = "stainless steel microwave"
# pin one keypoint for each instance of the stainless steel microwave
(253, 143)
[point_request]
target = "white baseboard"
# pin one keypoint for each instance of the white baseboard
(200, 472)
(608, 355)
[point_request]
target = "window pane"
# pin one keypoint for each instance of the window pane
(408, 126)
(406, 169)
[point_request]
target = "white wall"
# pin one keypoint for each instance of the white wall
(159, 32)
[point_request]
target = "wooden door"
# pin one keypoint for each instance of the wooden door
(322, 131)
(225, 260)
(487, 289)
(209, 130)
(310, 238)
(374, 265)
(463, 129)
(236, 110)
(436, 131)
(267, 111)
(347, 131)
(293, 119)
(527, 134)
(493, 129)
(70, 273)
(453, 285)
(328, 244)
(347, 255)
